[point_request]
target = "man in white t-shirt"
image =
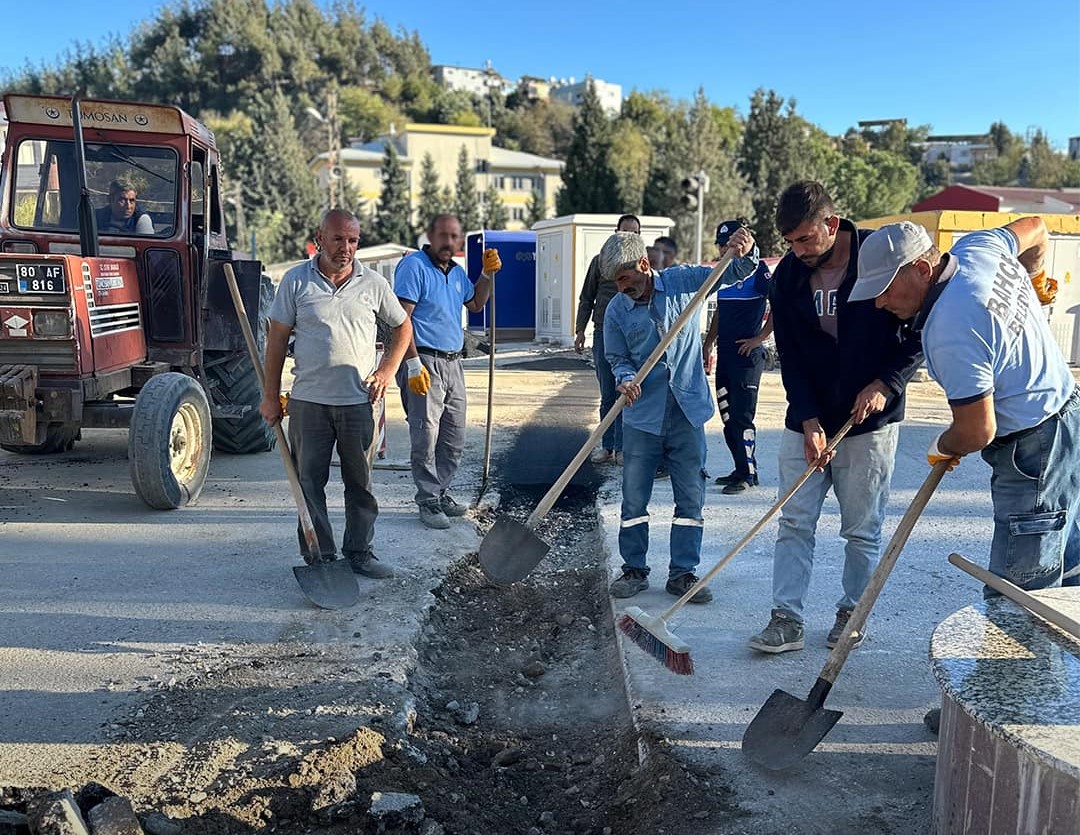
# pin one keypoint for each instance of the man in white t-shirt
(1012, 395)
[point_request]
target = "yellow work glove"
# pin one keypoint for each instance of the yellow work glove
(284, 400)
(419, 379)
(935, 456)
(492, 261)
(1045, 287)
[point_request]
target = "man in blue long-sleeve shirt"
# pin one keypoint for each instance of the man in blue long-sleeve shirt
(664, 422)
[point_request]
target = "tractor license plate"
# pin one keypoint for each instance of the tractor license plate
(33, 279)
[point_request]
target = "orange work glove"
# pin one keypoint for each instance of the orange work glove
(935, 456)
(419, 379)
(1045, 287)
(492, 262)
(284, 399)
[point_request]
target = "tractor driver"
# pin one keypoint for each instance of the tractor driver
(122, 215)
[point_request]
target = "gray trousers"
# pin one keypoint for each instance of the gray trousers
(314, 428)
(436, 425)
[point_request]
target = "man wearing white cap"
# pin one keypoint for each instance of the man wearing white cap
(1011, 393)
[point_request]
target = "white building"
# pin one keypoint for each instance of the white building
(478, 82)
(573, 93)
(961, 152)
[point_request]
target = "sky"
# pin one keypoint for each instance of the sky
(955, 65)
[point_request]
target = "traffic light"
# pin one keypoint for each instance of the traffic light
(691, 187)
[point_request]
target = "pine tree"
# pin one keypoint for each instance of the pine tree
(535, 209)
(495, 214)
(432, 201)
(466, 201)
(588, 184)
(393, 224)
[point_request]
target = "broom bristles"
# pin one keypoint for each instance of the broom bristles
(652, 635)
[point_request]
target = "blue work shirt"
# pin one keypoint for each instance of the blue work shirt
(438, 297)
(633, 329)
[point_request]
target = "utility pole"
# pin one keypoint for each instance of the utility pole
(334, 151)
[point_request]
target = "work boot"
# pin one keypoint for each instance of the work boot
(680, 585)
(837, 632)
(725, 480)
(368, 564)
(740, 485)
(431, 514)
(783, 634)
(633, 580)
(602, 456)
(932, 720)
(450, 507)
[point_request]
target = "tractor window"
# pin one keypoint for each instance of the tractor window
(132, 188)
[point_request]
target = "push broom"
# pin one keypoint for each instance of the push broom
(652, 634)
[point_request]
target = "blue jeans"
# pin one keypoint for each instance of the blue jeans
(1035, 487)
(314, 428)
(859, 476)
(613, 437)
(681, 448)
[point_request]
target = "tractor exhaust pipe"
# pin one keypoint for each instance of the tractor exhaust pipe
(88, 239)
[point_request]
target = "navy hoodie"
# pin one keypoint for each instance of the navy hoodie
(822, 376)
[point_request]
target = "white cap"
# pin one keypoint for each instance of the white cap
(882, 255)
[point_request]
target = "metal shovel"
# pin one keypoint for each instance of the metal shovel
(788, 728)
(329, 585)
(510, 550)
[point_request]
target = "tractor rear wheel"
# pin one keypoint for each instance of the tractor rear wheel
(169, 441)
(59, 437)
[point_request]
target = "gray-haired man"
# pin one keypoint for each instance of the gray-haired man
(664, 422)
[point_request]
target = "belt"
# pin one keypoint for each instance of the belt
(1020, 433)
(432, 352)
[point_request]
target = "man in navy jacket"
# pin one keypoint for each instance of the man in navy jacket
(838, 359)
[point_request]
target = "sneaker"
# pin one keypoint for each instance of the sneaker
(368, 564)
(724, 480)
(602, 456)
(680, 585)
(662, 472)
(837, 632)
(632, 581)
(783, 634)
(431, 514)
(618, 458)
(450, 507)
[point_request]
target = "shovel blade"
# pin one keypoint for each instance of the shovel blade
(785, 730)
(329, 585)
(510, 551)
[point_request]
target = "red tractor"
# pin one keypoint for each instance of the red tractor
(114, 310)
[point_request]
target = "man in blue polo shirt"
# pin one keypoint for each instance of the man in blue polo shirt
(432, 289)
(331, 302)
(665, 416)
(1011, 393)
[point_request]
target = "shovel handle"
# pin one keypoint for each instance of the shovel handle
(306, 524)
(881, 573)
(1017, 595)
(772, 511)
(691, 309)
(490, 384)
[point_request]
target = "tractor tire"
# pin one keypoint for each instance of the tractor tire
(233, 382)
(59, 437)
(169, 441)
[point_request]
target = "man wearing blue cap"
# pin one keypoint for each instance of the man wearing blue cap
(738, 329)
(1012, 396)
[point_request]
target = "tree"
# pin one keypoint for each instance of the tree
(877, 184)
(535, 209)
(466, 200)
(495, 214)
(393, 223)
(432, 202)
(588, 184)
(629, 157)
(365, 114)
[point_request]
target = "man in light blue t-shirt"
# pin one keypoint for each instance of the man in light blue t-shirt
(988, 344)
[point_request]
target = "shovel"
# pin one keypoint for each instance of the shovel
(328, 585)
(787, 728)
(490, 396)
(510, 550)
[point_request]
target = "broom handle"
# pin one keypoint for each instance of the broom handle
(691, 309)
(881, 573)
(704, 581)
(1018, 595)
(310, 537)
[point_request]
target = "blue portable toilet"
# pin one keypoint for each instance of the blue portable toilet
(515, 285)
